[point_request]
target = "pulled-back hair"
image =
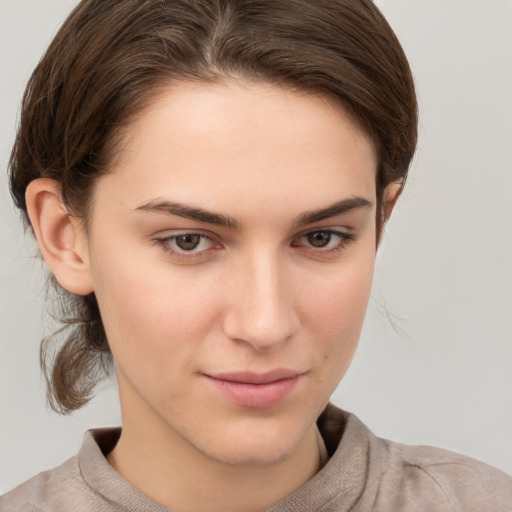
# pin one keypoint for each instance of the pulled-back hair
(110, 60)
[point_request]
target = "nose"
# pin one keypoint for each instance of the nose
(261, 309)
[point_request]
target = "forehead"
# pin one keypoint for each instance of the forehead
(241, 139)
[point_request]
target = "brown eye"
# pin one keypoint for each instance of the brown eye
(188, 246)
(324, 242)
(319, 238)
(188, 241)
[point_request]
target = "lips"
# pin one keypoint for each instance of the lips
(253, 390)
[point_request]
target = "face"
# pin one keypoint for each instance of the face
(231, 250)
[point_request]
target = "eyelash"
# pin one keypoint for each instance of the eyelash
(166, 243)
(344, 240)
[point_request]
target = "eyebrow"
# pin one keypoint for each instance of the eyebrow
(199, 214)
(190, 212)
(340, 208)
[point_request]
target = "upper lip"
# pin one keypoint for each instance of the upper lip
(257, 378)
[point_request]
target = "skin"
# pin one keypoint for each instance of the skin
(254, 296)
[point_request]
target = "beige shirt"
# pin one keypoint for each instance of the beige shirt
(363, 473)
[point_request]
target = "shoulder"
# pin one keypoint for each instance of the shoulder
(62, 488)
(395, 477)
(84, 483)
(40, 491)
(435, 476)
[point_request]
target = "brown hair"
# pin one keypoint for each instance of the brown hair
(110, 59)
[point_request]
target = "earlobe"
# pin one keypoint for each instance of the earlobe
(61, 240)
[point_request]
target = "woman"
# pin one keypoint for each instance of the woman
(208, 182)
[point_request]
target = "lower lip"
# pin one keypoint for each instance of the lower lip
(255, 396)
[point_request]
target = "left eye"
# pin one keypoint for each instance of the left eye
(319, 238)
(324, 239)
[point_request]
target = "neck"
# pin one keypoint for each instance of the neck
(168, 469)
(175, 475)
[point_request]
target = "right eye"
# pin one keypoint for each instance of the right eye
(186, 244)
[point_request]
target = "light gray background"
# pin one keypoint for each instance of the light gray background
(443, 375)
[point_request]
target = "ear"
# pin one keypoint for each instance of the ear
(389, 198)
(60, 236)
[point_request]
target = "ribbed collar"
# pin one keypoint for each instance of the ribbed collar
(347, 483)
(104, 480)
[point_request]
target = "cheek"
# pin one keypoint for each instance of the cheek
(333, 316)
(153, 316)
(337, 307)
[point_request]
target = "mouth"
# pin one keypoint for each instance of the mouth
(255, 390)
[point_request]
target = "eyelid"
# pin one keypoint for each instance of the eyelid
(345, 236)
(164, 240)
(344, 232)
(172, 233)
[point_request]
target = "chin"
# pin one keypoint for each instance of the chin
(254, 454)
(254, 445)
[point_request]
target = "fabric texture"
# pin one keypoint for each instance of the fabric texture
(363, 473)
